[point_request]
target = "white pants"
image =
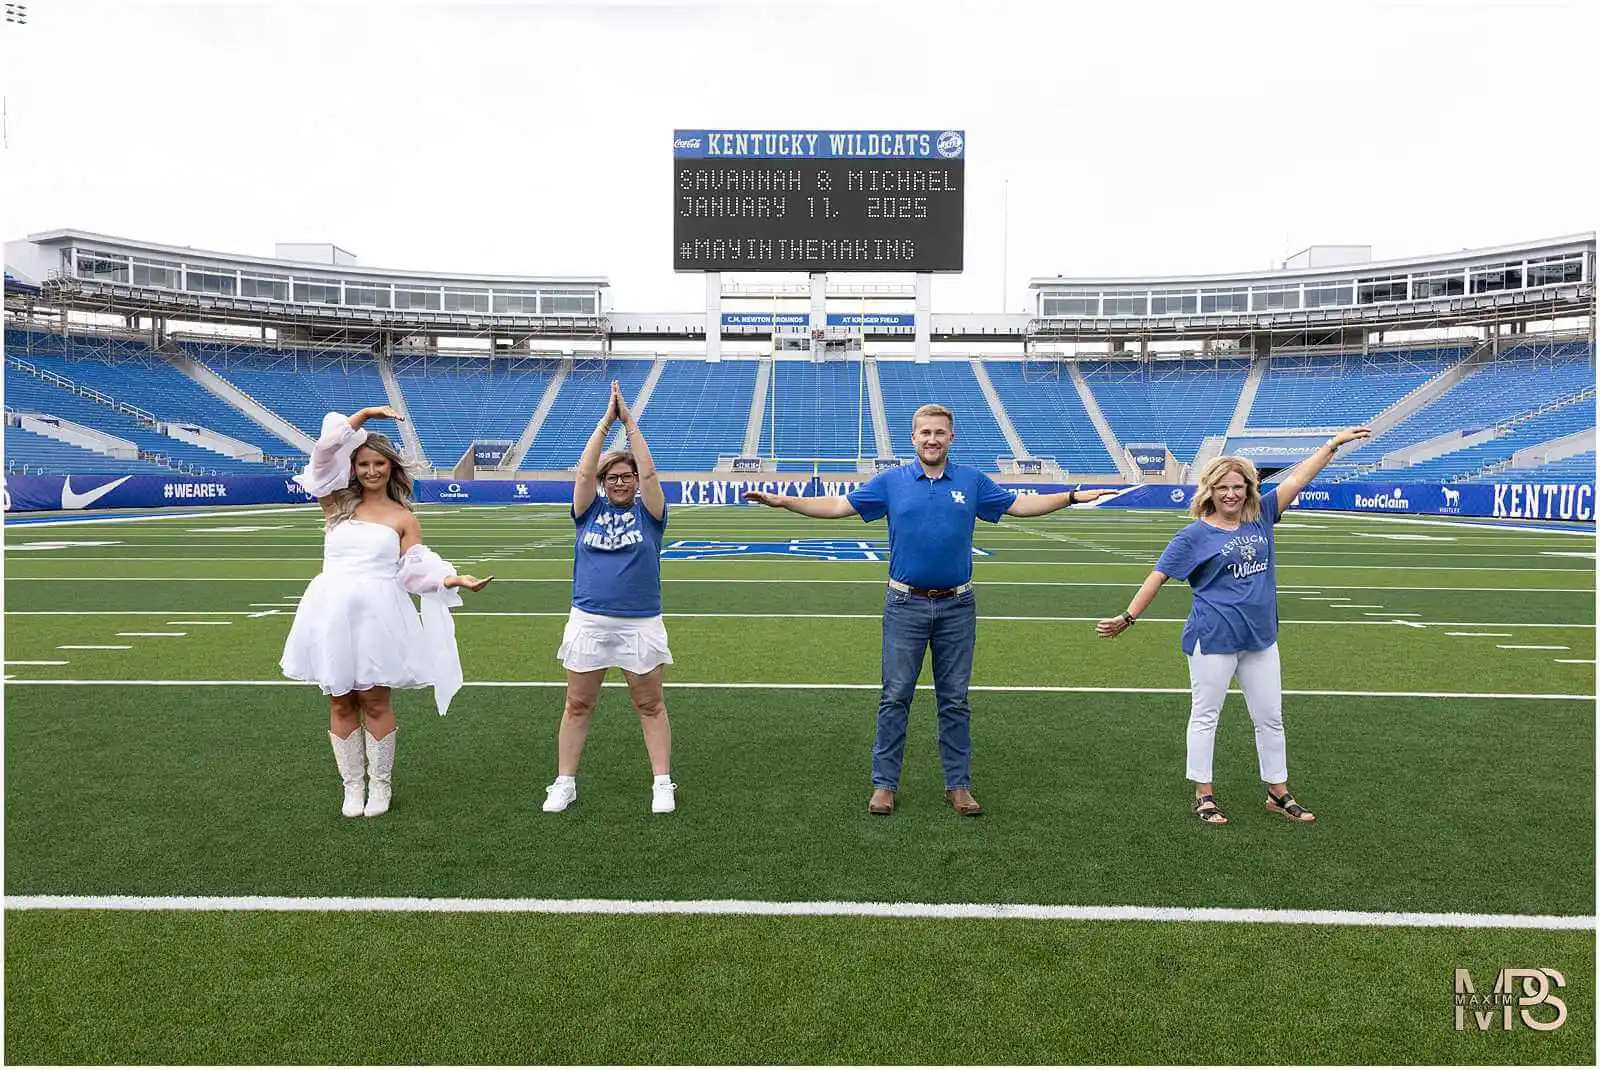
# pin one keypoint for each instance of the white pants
(1261, 680)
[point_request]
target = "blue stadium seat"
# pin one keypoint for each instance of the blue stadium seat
(1341, 391)
(579, 405)
(908, 385)
(1521, 381)
(698, 412)
(454, 403)
(820, 410)
(1048, 414)
(1167, 401)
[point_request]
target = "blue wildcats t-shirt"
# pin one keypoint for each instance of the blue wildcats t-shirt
(1235, 583)
(616, 564)
(931, 520)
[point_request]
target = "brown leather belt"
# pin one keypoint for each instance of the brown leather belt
(930, 592)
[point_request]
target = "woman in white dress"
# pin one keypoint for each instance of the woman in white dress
(356, 633)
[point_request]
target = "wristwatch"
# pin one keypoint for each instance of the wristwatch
(1129, 618)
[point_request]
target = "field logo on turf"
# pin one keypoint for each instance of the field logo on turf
(1519, 990)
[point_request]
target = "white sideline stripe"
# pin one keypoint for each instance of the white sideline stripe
(90, 519)
(1323, 598)
(825, 909)
(1390, 613)
(746, 686)
(94, 646)
(769, 580)
(1357, 605)
(788, 616)
(1483, 635)
(210, 622)
(149, 635)
(776, 559)
(1574, 661)
(1512, 646)
(36, 663)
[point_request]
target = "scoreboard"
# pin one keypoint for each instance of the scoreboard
(818, 200)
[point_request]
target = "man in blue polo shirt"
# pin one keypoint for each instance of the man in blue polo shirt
(932, 506)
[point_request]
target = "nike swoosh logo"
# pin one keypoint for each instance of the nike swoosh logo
(69, 500)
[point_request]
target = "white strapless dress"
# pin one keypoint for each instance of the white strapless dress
(356, 627)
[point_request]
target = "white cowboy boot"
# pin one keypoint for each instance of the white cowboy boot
(347, 752)
(380, 764)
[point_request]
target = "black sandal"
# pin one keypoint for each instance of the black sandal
(1207, 810)
(1284, 804)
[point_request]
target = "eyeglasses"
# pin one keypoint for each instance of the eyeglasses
(626, 477)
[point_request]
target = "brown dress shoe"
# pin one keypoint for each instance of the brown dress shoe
(964, 803)
(882, 803)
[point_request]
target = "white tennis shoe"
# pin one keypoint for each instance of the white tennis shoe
(663, 797)
(560, 795)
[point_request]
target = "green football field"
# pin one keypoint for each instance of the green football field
(1440, 682)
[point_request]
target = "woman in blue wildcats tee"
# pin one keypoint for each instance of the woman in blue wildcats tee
(1228, 557)
(619, 513)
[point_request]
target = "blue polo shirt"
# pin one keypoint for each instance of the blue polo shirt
(931, 520)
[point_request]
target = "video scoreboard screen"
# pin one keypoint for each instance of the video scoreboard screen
(818, 200)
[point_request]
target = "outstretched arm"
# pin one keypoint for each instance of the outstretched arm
(583, 489)
(1308, 469)
(1040, 504)
(655, 499)
(328, 467)
(426, 571)
(829, 508)
(1112, 627)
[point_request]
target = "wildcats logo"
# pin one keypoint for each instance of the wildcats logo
(613, 531)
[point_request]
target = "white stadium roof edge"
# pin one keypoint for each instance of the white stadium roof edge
(83, 270)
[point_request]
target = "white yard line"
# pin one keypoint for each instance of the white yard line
(806, 909)
(94, 646)
(749, 686)
(1519, 646)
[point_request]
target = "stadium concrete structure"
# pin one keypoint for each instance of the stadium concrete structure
(131, 356)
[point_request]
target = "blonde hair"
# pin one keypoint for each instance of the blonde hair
(398, 488)
(933, 410)
(1211, 474)
(611, 460)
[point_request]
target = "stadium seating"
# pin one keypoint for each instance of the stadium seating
(1515, 384)
(907, 386)
(820, 410)
(29, 393)
(133, 373)
(28, 453)
(579, 405)
(1578, 468)
(698, 412)
(454, 403)
(1557, 423)
(1049, 416)
(299, 385)
(1339, 391)
(1164, 401)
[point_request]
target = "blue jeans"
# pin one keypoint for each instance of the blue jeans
(911, 624)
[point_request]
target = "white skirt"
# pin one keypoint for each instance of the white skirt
(634, 644)
(354, 632)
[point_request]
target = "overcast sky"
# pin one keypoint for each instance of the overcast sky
(1136, 138)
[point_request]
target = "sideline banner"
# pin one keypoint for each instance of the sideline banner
(1520, 501)
(1512, 501)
